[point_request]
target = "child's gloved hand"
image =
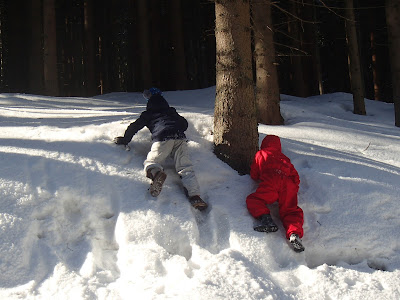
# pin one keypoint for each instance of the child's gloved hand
(119, 140)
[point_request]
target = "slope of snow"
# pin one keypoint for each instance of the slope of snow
(77, 222)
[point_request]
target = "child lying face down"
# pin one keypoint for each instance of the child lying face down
(279, 181)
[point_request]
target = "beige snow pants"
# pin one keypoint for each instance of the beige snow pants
(178, 150)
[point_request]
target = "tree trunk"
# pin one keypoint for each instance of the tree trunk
(317, 58)
(156, 44)
(300, 87)
(36, 57)
(374, 67)
(177, 41)
(3, 47)
(235, 120)
(357, 86)
(393, 24)
(90, 72)
(50, 49)
(144, 44)
(17, 45)
(267, 86)
(312, 61)
(105, 49)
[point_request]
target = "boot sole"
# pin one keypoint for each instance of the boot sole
(263, 228)
(157, 184)
(297, 247)
(198, 204)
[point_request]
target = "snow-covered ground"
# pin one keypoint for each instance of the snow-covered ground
(77, 222)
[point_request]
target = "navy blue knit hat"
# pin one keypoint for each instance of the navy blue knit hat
(151, 92)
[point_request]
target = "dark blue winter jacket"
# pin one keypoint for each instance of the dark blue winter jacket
(162, 120)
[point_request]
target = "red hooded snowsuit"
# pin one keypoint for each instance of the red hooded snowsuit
(279, 182)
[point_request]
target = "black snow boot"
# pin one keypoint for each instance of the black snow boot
(158, 181)
(296, 243)
(198, 203)
(266, 224)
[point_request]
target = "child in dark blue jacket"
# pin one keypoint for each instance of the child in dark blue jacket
(167, 129)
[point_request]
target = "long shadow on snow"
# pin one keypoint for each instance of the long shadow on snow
(60, 122)
(83, 106)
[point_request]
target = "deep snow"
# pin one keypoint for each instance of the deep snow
(77, 222)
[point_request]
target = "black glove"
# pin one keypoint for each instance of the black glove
(119, 140)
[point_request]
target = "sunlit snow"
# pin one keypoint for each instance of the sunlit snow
(77, 222)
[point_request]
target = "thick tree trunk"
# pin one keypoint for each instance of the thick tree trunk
(357, 86)
(267, 86)
(235, 121)
(393, 24)
(50, 49)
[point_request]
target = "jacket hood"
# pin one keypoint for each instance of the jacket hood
(271, 143)
(157, 102)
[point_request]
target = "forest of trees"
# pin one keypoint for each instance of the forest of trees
(295, 47)
(88, 47)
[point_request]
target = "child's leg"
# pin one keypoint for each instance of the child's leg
(157, 155)
(257, 201)
(291, 215)
(184, 167)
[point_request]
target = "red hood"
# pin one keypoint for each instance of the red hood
(271, 143)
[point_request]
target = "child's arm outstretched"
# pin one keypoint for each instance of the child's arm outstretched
(132, 129)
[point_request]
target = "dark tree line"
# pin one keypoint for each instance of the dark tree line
(88, 47)
(252, 50)
(312, 50)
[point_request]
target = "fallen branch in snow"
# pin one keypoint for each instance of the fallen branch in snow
(367, 146)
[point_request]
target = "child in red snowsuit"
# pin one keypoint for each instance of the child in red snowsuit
(279, 182)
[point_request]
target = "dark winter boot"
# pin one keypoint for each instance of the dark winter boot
(198, 203)
(158, 181)
(296, 243)
(152, 172)
(266, 224)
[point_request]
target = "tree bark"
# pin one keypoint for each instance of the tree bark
(267, 86)
(357, 86)
(393, 24)
(50, 49)
(235, 120)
